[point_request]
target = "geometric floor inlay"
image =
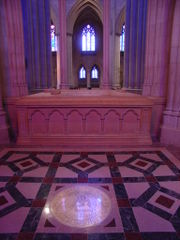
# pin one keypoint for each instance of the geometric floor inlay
(141, 164)
(164, 201)
(83, 165)
(3, 200)
(130, 194)
(80, 206)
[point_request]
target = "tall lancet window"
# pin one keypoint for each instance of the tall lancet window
(82, 73)
(122, 38)
(94, 73)
(53, 39)
(88, 39)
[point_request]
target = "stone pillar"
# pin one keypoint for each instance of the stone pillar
(106, 42)
(12, 58)
(158, 35)
(4, 139)
(118, 56)
(37, 42)
(4, 77)
(58, 62)
(135, 43)
(14, 45)
(171, 117)
(141, 43)
(88, 76)
(127, 44)
(72, 84)
(63, 44)
(114, 50)
(159, 24)
(116, 80)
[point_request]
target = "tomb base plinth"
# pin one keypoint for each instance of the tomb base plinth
(84, 118)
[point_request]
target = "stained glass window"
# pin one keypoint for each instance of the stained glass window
(94, 73)
(82, 73)
(53, 39)
(122, 38)
(88, 39)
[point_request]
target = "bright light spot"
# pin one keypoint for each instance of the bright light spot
(93, 42)
(83, 43)
(53, 39)
(122, 39)
(94, 73)
(47, 210)
(82, 73)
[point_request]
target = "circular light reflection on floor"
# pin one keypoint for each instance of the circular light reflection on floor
(81, 206)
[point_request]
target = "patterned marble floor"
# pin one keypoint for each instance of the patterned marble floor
(143, 186)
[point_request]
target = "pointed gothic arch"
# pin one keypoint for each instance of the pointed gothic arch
(76, 10)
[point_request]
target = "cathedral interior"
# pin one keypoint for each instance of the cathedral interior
(89, 119)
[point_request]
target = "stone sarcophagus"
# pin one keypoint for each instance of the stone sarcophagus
(84, 118)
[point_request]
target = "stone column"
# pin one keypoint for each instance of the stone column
(58, 62)
(37, 41)
(63, 44)
(127, 45)
(88, 76)
(70, 64)
(116, 81)
(4, 139)
(114, 50)
(158, 36)
(14, 45)
(171, 117)
(106, 42)
(118, 56)
(12, 58)
(135, 43)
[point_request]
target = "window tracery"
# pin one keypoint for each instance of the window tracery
(88, 39)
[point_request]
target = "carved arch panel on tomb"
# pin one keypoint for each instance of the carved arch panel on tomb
(38, 123)
(93, 122)
(131, 121)
(111, 122)
(56, 123)
(74, 122)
